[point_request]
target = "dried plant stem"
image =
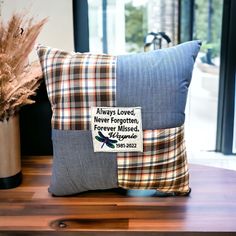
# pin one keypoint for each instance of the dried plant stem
(18, 79)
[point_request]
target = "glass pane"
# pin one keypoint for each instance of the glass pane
(95, 26)
(108, 14)
(202, 104)
(135, 25)
(127, 22)
(234, 136)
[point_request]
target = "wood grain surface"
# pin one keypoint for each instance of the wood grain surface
(31, 210)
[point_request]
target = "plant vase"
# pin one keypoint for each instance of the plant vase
(10, 156)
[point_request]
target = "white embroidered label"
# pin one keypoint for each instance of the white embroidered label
(117, 129)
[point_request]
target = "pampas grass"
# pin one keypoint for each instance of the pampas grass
(18, 79)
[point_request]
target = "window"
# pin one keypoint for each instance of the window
(120, 26)
(202, 107)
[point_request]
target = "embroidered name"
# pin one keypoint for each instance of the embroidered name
(117, 129)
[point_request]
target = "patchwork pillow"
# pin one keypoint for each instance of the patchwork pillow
(156, 81)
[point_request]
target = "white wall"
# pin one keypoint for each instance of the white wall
(58, 31)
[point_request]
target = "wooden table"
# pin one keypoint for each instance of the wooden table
(30, 210)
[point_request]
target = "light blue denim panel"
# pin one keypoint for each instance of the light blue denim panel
(76, 168)
(157, 81)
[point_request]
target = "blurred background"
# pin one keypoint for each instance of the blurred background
(120, 27)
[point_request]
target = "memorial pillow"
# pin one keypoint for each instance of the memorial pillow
(157, 82)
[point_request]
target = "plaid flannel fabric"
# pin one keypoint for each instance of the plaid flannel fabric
(162, 165)
(75, 82)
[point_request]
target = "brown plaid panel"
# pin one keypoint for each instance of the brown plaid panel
(75, 82)
(162, 165)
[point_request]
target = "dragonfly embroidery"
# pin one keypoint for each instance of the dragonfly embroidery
(105, 140)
